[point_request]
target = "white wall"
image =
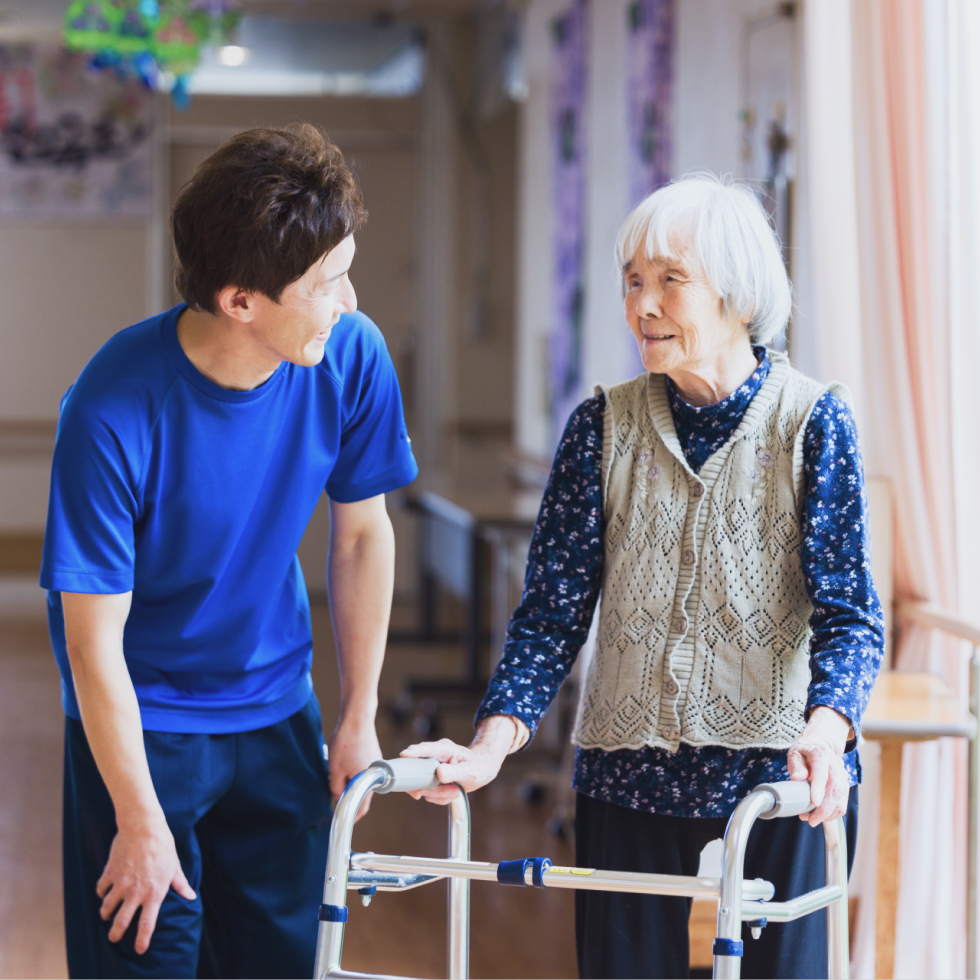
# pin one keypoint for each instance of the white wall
(65, 289)
(607, 341)
(706, 84)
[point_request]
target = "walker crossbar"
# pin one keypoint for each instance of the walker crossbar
(554, 877)
(368, 872)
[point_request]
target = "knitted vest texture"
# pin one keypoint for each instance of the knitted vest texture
(704, 619)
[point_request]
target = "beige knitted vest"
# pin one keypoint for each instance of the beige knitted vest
(704, 619)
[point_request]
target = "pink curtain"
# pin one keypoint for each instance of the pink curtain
(908, 142)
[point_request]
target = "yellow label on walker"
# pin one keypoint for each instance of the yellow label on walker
(570, 871)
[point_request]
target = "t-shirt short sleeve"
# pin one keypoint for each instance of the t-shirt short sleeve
(375, 450)
(89, 544)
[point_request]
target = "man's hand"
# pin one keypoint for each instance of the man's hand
(353, 747)
(817, 755)
(142, 867)
(471, 767)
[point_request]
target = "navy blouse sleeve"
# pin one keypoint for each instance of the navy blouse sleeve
(848, 629)
(564, 574)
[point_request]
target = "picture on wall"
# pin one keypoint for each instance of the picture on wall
(74, 141)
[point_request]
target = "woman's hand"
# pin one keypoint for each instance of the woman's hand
(471, 767)
(818, 755)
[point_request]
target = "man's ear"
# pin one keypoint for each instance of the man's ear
(236, 303)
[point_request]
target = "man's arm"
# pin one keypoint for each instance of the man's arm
(143, 862)
(361, 578)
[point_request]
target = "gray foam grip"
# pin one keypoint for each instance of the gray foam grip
(409, 774)
(792, 799)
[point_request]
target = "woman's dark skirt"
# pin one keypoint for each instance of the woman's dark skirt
(622, 935)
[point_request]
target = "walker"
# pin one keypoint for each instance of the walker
(739, 901)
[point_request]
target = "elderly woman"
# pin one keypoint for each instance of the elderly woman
(716, 504)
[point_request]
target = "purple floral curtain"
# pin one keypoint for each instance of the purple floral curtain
(650, 85)
(569, 57)
(649, 92)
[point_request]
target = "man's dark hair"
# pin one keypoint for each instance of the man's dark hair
(260, 211)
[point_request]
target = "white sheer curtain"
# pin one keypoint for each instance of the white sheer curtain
(916, 142)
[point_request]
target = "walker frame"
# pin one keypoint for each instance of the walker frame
(368, 872)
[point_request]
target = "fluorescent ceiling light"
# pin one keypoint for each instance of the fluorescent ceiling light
(233, 55)
(310, 57)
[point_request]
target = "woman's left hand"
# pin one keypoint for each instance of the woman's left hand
(818, 755)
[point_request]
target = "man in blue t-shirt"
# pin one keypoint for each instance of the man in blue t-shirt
(191, 453)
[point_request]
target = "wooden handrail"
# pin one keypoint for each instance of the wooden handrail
(936, 617)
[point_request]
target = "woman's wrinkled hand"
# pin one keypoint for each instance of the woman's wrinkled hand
(471, 767)
(818, 755)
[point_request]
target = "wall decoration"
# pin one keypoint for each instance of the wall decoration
(650, 96)
(73, 141)
(650, 88)
(156, 41)
(569, 57)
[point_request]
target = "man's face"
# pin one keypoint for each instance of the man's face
(297, 327)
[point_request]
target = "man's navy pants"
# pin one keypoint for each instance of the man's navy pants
(250, 814)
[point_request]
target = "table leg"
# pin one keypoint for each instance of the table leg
(888, 857)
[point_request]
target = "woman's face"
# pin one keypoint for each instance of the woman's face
(676, 317)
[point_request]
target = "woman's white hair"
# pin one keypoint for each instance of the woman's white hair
(732, 244)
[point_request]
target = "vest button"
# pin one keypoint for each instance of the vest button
(671, 687)
(680, 624)
(698, 489)
(670, 732)
(688, 557)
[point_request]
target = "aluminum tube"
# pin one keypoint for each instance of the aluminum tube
(587, 879)
(795, 908)
(973, 824)
(387, 882)
(838, 943)
(330, 936)
(444, 867)
(732, 865)
(459, 889)
(353, 975)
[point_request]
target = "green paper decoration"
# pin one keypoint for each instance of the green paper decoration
(171, 32)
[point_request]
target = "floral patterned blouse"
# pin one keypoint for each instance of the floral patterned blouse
(564, 576)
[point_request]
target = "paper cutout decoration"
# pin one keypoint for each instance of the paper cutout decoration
(155, 41)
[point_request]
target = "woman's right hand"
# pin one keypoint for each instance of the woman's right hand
(471, 767)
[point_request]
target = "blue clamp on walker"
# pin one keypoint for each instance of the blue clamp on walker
(513, 872)
(333, 913)
(726, 947)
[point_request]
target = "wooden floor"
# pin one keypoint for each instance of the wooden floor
(515, 932)
(31, 739)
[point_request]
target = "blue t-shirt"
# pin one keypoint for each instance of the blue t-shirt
(195, 498)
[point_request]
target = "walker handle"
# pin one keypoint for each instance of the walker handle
(791, 799)
(406, 775)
